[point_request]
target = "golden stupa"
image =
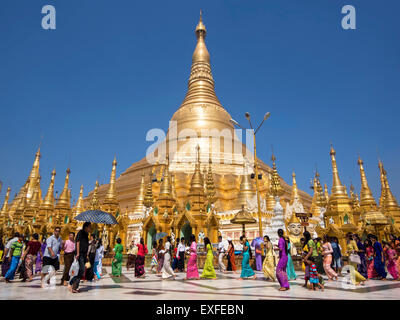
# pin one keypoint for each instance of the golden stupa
(202, 118)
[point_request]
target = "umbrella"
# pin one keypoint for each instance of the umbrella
(160, 235)
(256, 241)
(96, 216)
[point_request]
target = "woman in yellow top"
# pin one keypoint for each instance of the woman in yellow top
(208, 270)
(352, 250)
(268, 266)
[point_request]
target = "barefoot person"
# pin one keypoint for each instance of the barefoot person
(167, 271)
(15, 254)
(192, 271)
(269, 260)
(82, 246)
(208, 270)
(50, 258)
(231, 257)
(327, 251)
(117, 261)
(282, 264)
(31, 251)
(69, 253)
(221, 254)
(247, 271)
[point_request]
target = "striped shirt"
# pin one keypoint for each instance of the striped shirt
(313, 271)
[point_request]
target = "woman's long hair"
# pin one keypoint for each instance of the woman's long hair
(206, 242)
(192, 238)
(232, 246)
(280, 234)
(99, 243)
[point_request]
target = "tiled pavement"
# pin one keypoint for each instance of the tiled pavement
(127, 287)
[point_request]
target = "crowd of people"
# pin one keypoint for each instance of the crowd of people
(82, 258)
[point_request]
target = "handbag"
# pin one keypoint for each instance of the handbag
(355, 258)
(87, 265)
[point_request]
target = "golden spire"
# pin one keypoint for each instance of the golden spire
(321, 197)
(35, 200)
(210, 185)
(148, 198)
(139, 203)
(94, 203)
(354, 198)
(326, 192)
(5, 207)
(201, 82)
(390, 201)
(34, 174)
(338, 190)
(275, 188)
(295, 194)
(165, 188)
(197, 182)
(382, 177)
(111, 196)
(246, 190)
(48, 202)
(64, 200)
(367, 202)
(79, 206)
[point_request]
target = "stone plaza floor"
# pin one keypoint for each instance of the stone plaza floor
(127, 287)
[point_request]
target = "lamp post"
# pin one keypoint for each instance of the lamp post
(266, 116)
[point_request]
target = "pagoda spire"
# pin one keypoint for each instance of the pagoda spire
(48, 202)
(111, 196)
(210, 185)
(5, 207)
(79, 206)
(275, 188)
(389, 199)
(295, 193)
(201, 82)
(338, 190)
(326, 192)
(94, 203)
(165, 188)
(367, 202)
(63, 200)
(148, 197)
(139, 204)
(35, 200)
(246, 190)
(197, 182)
(33, 175)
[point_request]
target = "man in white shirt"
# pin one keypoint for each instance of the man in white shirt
(221, 253)
(181, 254)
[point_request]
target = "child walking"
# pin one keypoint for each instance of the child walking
(315, 282)
(154, 262)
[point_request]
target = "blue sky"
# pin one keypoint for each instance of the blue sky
(112, 70)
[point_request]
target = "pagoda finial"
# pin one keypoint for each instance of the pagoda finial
(338, 190)
(5, 207)
(148, 198)
(79, 206)
(94, 203)
(48, 202)
(275, 187)
(64, 200)
(139, 201)
(111, 196)
(295, 194)
(367, 200)
(389, 201)
(33, 175)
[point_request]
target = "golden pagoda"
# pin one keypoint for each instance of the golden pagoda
(388, 203)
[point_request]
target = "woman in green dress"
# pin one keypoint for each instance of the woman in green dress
(117, 262)
(208, 270)
(247, 271)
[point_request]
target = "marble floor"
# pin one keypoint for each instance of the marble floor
(127, 287)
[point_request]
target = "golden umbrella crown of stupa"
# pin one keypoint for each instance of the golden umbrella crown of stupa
(243, 217)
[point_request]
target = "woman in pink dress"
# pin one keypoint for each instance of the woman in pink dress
(192, 271)
(369, 251)
(391, 258)
(327, 253)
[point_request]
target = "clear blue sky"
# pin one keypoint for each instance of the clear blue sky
(112, 70)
